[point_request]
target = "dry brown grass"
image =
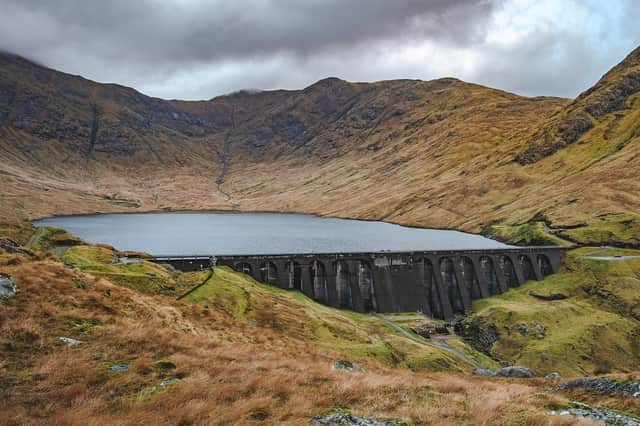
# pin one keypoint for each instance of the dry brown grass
(231, 372)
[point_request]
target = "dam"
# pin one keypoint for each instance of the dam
(360, 265)
(440, 284)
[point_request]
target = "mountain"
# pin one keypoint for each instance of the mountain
(441, 153)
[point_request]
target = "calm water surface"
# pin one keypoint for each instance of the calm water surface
(257, 233)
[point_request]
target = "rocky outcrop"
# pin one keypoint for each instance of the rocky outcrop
(610, 95)
(480, 334)
(7, 287)
(603, 386)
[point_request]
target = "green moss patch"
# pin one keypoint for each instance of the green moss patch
(531, 234)
(144, 276)
(612, 229)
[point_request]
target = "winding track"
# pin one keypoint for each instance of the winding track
(440, 345)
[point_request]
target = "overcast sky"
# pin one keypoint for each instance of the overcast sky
(198, 49)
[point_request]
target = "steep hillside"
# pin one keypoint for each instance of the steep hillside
(438, 153)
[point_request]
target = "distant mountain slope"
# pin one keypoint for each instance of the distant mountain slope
(437, 153)
(603, 109)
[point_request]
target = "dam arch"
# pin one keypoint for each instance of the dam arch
(269, 273)
(452, 284)
(528, 272)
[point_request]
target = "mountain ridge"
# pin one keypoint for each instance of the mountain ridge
(442, 153)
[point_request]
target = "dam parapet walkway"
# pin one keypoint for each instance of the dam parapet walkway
(440, 284)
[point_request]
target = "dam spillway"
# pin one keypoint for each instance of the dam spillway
(440, 284)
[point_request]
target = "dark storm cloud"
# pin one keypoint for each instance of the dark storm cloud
(203, 31)
(198, 49)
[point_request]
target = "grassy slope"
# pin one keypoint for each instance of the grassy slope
(300, 317)
(595, 330)
(230, 369)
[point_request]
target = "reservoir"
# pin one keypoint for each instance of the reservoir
(162, 234)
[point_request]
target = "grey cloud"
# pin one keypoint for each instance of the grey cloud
(202, 31)
(196, 49)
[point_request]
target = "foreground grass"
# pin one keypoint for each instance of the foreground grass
(298, 316)
(220, 367)
(594, 330)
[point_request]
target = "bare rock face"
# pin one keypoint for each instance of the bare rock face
(7, 287)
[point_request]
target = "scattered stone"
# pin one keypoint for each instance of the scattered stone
(348, 366)
(553, 377)
(7, 287)
(548, 297)
(69, 341)
(483, 372)
(608, 417)
(346, 419)
(604, 386)
(516, 371)
(168, 382)
(118, 368)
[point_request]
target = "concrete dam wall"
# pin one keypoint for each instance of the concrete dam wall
(440, 284)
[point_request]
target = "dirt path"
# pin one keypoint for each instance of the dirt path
(439, 345)
(596, 255)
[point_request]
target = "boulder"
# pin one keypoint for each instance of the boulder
(552, 376)
(516, 371)
(69, 341)
(7, 287)
(348, 366)
(483, 372)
